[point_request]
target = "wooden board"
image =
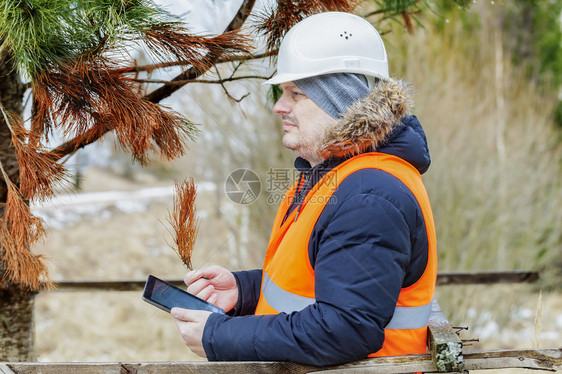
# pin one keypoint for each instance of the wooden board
(388, 365)
(487, 277)
(538, 359)
(442, 279)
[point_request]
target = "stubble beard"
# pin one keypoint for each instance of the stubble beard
(288, 135)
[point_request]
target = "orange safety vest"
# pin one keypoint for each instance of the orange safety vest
(288, 277)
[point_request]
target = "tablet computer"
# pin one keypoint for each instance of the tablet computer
(166, 296)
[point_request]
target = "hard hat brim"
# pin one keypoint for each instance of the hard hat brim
(283, 78)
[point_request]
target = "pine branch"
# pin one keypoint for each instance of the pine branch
(398, 9)
(151, 67)
(408, 22)
(38, 168)
(184, 220)
(19, 229)
(206, 81)
(165, 91)
(42, 34)
(392, 8)
(3, 51)
(78, 142)
(90, 135)
(90, 99)
(198, 51)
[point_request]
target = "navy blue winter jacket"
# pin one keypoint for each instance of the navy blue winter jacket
(364, 248)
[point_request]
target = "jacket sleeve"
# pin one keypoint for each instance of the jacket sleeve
(364, 249)
(249, 286)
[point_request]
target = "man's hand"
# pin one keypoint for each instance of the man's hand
(214, 284)
(191, 324)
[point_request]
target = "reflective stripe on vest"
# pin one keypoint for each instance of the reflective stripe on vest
(413, 317)
(410, 317)
(281, 300)
(288, 282)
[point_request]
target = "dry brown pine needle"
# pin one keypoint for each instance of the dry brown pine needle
(184, 219)
(196, 50)
(18, 230)
(38, 168)
(92, 95)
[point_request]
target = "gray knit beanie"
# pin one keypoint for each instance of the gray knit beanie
(334, 93)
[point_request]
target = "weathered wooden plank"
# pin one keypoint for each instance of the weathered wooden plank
(492, 277)
(4, 369)
(116, 285)
(540, 359)
(442, 279)
(157, 368)
(390, 365)
(379, 365)
(549, 359)
(444, 344)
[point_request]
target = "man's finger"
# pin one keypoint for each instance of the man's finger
(182, 314)
(192, 276)
(206, 292)
(188, 315)
(213, 299)
(199, 285)
(210, 271)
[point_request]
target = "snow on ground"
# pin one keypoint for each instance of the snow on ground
(523, 328)
(69, 209)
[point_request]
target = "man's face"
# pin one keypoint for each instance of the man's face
(304, 123)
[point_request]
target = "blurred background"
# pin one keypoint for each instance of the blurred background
(488, 93)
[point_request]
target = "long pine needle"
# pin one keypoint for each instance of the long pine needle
(18, 230)
(184, 220)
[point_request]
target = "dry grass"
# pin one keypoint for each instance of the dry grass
(118, 326)
(495, 180)
(90, 327)
(496, 176)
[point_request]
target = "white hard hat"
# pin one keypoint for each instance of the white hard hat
(331, 42)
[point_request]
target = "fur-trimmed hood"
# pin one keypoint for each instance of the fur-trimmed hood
(376, 123)
(369, 121)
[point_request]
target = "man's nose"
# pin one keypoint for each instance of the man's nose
(282, 106)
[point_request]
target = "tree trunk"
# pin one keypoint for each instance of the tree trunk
(16, 304)
(16, 325)
(11, 96)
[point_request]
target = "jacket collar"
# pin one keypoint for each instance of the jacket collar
(377, 123)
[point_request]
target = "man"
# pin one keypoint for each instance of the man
(350, 267)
